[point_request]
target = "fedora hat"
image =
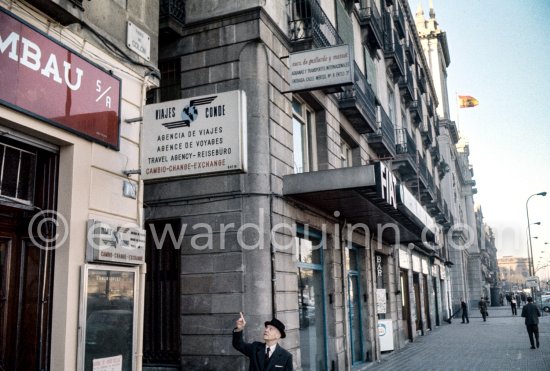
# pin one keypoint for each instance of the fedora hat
(278, 325)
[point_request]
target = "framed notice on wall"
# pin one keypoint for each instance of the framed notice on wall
(107, 339)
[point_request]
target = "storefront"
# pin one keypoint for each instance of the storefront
(63, 157)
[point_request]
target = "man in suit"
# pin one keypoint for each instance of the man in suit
(531, 313)
(267, 356)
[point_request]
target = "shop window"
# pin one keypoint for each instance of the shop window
(354, 304)
(311, 300)
(346, 158)
(303, 132)
(17, 170)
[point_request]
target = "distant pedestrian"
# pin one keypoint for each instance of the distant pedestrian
(483, 309)
(501, 299)
(523, 298)
(518, 300)
(508, 298)
(464, 307)
(531, 313)
(513, 305)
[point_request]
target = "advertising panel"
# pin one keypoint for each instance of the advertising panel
(115, 243)
(43, 78)
(107, 318)
(325, 67)
(195, 136)
(385, 334)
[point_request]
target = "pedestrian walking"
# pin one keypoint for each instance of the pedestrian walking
(532, 313)
(513, 306)
(267, 356)
(464, 307)
(483, 309)
(518, 301)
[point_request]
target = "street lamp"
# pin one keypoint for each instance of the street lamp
(527, 232)
(530, 246)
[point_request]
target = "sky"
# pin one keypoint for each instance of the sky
(500, 54)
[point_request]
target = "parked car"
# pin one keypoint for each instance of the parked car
(545, 304)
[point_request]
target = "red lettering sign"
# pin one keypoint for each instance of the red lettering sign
(44, 78)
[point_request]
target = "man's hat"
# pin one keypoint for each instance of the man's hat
(278, 325)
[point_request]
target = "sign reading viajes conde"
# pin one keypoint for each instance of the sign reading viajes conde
(195, 136)
(325, 67)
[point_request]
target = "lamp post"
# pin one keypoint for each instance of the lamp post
(528, 233)
(530, 246)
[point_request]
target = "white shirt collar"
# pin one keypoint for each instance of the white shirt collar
(271, 349)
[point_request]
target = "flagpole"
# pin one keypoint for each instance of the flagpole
(457, 113)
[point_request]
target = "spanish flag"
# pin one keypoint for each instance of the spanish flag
(467, 101)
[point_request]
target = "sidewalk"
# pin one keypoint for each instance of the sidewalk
(501, 343)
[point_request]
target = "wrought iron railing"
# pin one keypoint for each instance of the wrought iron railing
(309, 21)
(362, 92)
(369, 13)
(385, 126)
(404, 143)
(174, 9)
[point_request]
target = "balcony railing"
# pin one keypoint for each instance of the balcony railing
(308, 21)
(417, 114)
(409, 51)
(393, 50)
(406, 87)
(383, 139)
(358, 103)
(421, 80)
(399, 20)
(404, 143)
(172, 10)
(426, 132)
(370, 19)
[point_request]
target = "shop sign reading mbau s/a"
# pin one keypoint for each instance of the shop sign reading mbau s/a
(195, 136)
(42, 77)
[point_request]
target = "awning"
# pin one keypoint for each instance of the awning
(361, 195)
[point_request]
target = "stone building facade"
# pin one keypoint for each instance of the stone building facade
(332, 223)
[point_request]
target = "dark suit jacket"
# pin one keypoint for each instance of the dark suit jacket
(531, 313)
(280, 360)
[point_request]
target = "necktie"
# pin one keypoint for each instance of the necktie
(266, 359)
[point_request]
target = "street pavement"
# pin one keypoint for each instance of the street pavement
(500, 344)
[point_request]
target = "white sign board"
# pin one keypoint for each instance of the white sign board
(194, 136)
(404, 259)
(138, 41)
(325, 67)
(107, 364)
(385, 333)
(380, 301)
(115, 243)
(416, 265)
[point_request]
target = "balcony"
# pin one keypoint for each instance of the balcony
(417, 114)
(409, 51)
(421, 80)
(406, 87)
(399, 20)
(358, 104)
(435, 153)
(405, 159)
(426, 132)
(393, 52)
(310, 27)
(382, 141)
(63, 11)
(371, 25)
(171, 17)
(426, 184)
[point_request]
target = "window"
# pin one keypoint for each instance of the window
(345, 154)
(391, 104)
(354, 304)
(17, 169)
(170, 84)
(302, 134)
(311, 300)
(371, 71)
